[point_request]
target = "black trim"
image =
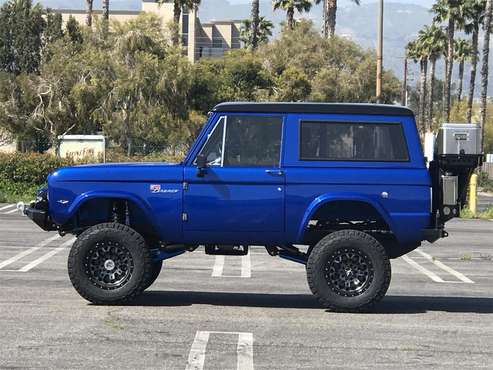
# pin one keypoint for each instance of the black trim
(322, 108)
(323, 160)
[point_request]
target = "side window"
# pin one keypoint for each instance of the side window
(253, 141)
(213, 148)
(333, 141)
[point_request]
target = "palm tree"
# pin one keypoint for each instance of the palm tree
(330, 15)
(264, 32)
(462, 52)
(433, 40)
(106, 10)
(89, 13)
(451, 12)
(416, 52)
(474, 10)
(404, 80)
(255, 23)
(485, 66)
(290, 6)
(178, 5)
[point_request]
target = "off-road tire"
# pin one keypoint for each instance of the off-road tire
(155, 271)
(350, 241)
(132, 241)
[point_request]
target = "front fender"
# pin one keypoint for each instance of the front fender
(81, 199)
(324, 199)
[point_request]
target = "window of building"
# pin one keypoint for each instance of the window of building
(217, 39)
(253, 141)
(341, 141)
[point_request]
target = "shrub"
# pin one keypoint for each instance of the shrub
(29, 168)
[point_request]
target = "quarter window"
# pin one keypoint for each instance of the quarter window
(341, 141)
(253, 141)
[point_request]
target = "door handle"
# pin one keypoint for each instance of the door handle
(275, 172)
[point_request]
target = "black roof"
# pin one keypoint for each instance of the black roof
(327, 108)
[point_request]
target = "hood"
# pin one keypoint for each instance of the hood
(119, 172)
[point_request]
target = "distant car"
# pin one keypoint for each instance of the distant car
(347, 181)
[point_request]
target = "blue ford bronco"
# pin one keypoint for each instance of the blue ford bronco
(340, 188)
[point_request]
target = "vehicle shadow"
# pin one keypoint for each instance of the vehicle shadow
(392, 304)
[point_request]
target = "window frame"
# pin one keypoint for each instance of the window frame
(226, 116)
(321, 160)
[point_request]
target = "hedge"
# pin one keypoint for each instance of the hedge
(29, 169)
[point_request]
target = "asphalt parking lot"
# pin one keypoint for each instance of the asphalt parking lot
(246, 312)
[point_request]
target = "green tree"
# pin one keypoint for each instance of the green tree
(292, 85)
(290, 6)
(452, 12)
(433, 41)
(462, 52)
(247, 34)
(73, 31)
(54, 27)
(474, 10)
(21, 29)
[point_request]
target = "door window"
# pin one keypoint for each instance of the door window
(252, 141)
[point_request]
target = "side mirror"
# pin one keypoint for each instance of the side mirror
(201, 165)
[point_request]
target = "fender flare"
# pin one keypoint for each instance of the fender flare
(81, 199)
(327, 198)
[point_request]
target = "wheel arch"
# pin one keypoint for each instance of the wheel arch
(329, 200)
(92, 201)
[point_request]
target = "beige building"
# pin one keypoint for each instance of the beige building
(199, 40)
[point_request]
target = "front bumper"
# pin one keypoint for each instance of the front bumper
(38, 212)
(40, 218)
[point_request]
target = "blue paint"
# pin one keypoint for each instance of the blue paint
(247, 205)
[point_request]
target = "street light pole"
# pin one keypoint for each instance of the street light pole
(380, 54)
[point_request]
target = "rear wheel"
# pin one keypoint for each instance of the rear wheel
(109, 263)
(348, 270)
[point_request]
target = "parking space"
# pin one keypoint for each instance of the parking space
(222, 312)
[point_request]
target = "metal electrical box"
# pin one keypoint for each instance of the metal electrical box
(459, 139)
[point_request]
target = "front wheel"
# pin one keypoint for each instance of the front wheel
(348, 270)
(109, 264)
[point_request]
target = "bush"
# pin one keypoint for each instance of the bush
(29, 168)
(21, 174)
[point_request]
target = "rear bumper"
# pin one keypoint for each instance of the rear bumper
(432, 235)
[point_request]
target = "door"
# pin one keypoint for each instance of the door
(240, 195)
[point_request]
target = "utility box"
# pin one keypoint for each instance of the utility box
(459, 139)
(80, 147)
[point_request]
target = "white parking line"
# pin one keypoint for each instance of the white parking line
(218, 268)
(10, 212)
(246, 266)
(421, 269)
(444, 267)
(7, 207)
(196, 357)
(28, 251)
(47, 256)
(244, 350)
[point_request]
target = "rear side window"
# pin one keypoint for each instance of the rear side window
(341, 141)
